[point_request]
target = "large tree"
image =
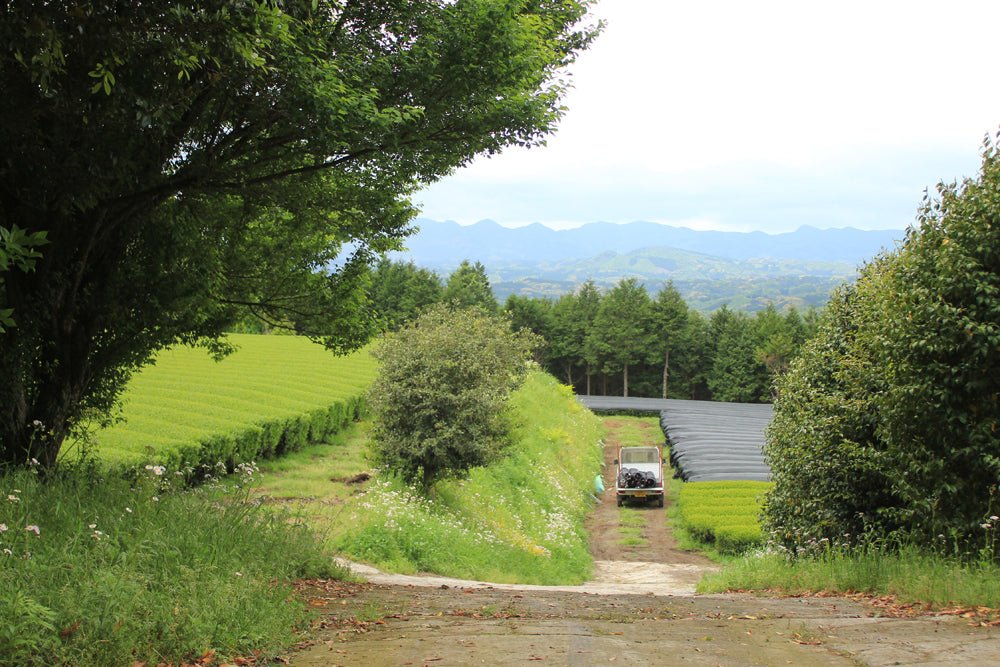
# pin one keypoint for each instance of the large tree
(623, 333)
(469, 286)
(190, 161)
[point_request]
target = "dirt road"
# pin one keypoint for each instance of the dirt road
(639, 610)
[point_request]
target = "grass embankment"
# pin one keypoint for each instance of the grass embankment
(100, 570)
(519, 519)
(274, 395)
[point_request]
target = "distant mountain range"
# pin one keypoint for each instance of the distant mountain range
(745, 270)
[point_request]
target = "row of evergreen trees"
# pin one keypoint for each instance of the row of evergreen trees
(623, 341)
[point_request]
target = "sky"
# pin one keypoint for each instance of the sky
(752, 116)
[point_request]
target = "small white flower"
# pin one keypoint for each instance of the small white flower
(995, 518)
(156, 499)
(92, 526)
(238, 574)
(34, 462)
(3, 528)
(8, 552)
(128, 509)
(32, 528)
(986, 526)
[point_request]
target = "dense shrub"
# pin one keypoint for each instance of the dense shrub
(439, 402)
(888, 423)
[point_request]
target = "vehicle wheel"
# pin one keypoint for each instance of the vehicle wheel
(659, 501)
(621, 501)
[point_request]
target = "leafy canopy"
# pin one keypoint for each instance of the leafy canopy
(190, 163)
(888, 424)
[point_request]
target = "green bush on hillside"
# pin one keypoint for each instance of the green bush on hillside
(887, 426)
(517, 519)
(439, 402)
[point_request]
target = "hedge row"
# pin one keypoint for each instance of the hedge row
(266, 440)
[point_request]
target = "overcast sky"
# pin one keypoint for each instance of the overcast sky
(766, 115)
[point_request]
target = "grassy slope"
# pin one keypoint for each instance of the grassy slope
(186, 395)
(520, 519)
(116, 572)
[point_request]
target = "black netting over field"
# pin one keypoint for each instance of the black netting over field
(708, 440)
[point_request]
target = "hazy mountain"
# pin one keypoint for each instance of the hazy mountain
(744, 270)
(445, 244)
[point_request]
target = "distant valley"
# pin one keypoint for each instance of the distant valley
(744, 270)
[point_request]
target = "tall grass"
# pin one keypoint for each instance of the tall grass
(911, 574)
(519, 519)
(96, 569)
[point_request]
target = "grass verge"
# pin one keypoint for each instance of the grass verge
(96, 569)
(519, 519)
(911, 575)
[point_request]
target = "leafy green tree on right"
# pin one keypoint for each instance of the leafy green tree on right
(889, 422)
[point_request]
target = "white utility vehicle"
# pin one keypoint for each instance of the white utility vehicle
(640, 475)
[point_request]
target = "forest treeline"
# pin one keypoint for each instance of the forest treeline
(619, 341)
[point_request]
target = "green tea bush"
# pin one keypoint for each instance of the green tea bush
(723, 514)
(274, 394)
(97, 569)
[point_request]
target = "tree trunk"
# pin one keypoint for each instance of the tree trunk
(666, 372)
(569, 373)
(625, 381)
(589, 375)
(604, 379)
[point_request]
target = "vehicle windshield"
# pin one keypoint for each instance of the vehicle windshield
(640, 455)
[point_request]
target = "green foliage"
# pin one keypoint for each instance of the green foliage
(519, 519)
(400, 290)
(273, 395)
(440, 399)
(468, 287)
(622, 335)
(887, 425)
(725, 515)
(127, 570)
(826, 459)
(191, 164)
(17, 251)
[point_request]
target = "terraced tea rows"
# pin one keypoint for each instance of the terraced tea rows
(187, 399)
(725, 514)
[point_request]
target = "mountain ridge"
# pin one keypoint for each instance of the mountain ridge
(445, 244)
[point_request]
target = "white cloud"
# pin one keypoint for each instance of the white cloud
(701, 98)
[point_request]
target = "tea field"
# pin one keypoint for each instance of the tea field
(723, 514)
(274, 393)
